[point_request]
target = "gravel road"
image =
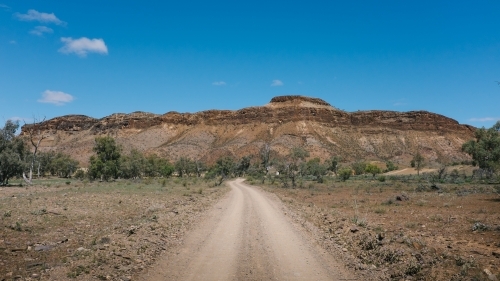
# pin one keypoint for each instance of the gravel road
(247, 236)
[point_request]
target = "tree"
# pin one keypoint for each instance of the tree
(372, 169)
(167, 170)
(200, 167)
(242, 166)
(345, 173)
(183, 166)
(282, 166)
(132, 165)
(390, 166)
(223, 168)
(153, 165)
(55, 164)
(44, 163)
(296, 157)
(316, 169)
(63, 165)
(106, 163)
(333, 164)
(35, 137)
(485, 149)
(265, 160)
(358, 167)
(418, 162)
(12, 153)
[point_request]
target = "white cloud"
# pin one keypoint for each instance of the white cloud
(56, 97)
(34, 15)
(484, 119)
(219, 83)
(3, 6)
(276, 83)
(83, 46)
(40, 30)
(15, 118)
(12, 42)
(400, 102)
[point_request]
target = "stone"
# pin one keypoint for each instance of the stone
(402, 197)
(43, 247)
(490, 275)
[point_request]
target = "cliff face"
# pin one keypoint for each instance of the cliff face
(285, 122)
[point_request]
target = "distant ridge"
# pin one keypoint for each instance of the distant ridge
(299, 98)
(285, 122)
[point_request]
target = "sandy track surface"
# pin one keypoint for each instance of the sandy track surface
(246, 236)
(409, 171)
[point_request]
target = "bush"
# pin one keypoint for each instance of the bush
(381, 178)
(344, 173)
(478, 226)
(80, 174)
(372, 169)
(390, 166)
(359, 167)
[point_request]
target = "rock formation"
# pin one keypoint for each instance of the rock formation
(285, 122)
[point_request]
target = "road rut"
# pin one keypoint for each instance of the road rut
(247, 236)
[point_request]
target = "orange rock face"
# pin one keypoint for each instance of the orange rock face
(285, 122)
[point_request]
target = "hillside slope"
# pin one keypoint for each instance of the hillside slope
(285, 122)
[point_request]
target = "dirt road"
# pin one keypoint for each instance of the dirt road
(247, 236)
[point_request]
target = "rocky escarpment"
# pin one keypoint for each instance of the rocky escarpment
(285, 122)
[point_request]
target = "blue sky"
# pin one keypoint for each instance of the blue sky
(101, 57)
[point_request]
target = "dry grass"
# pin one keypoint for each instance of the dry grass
(420, 237)
(95, 230)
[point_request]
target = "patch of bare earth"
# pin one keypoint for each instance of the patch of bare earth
(403, 230)
(248, 236)
(95, 231)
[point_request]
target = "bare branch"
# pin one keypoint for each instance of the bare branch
(34, 130)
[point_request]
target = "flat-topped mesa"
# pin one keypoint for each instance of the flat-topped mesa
(297, 100)
(281, 110)
(286, 122)
(64, 123)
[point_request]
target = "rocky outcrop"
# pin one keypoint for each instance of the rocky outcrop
(285, 122)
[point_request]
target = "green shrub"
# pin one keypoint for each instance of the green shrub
(80, 175)
(344, 174)
(390, 166)
(381, 178)
(359, 167)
